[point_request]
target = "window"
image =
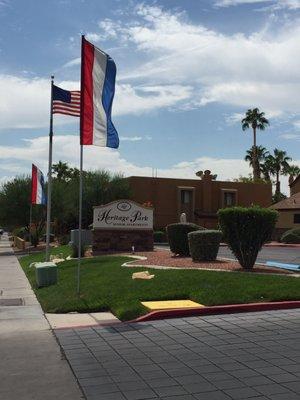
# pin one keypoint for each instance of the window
(186, 196)
(296, 218)
(229, 199)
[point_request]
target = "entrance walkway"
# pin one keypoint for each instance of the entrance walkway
(242, 356)
(32, 366)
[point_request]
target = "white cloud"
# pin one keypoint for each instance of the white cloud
(66, 148)
(188, 66)
(276, 4)
(259, 69)
(26, 101)
(131, 138)
(234, 118)
(72, 63)
(290, 136)
(138, 99)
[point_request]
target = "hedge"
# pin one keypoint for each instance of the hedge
(178, 237)
(245, 230)
(204, 245)
(291, 236)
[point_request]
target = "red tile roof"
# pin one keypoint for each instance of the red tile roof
(291, 203)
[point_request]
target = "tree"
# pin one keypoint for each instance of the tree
(15, 202)
(278, 163)
(99, 187)
(257, 121)
(62, 171)
(261, 153)
(292, 171)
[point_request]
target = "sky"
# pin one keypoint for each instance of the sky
(186, 73)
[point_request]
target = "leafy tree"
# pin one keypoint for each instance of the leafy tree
(63, 172)
(257, 121)
(99, 187)
(260, 153)
(15, 202)
(15, 206)
(249, 179)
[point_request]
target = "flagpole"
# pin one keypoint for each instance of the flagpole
(30, 222)
(80, 220)
(49, 176)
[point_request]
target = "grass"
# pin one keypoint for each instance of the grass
(105, 285)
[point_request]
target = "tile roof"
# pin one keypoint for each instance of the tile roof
(291, 203)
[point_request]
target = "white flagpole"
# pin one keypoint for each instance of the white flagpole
(30, 222)
(80, 220)
(49, 176)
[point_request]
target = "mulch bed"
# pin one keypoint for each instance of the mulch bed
(168, 259)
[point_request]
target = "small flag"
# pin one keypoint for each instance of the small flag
(66, 102)
(98, 74)
(37, 186)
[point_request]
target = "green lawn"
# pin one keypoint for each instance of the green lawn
(105, 285)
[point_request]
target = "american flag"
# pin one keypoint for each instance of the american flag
(66, 102)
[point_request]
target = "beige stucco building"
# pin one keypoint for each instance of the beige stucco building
(289, 210)
(200, 199)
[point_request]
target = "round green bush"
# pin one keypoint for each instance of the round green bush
(204, 245)
(74, 250)
(291, 236)
(178, 237)
(159, 236)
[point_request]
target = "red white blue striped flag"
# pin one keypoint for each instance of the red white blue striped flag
(98, 75)
(38, 195)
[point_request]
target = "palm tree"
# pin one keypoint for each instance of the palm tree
(256, 120)
(261, 154)
(278, 163)
(266, 169)
(293, 171)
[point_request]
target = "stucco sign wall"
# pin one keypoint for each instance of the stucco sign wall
(123, 214)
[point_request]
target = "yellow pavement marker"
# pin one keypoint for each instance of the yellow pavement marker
(169, 304)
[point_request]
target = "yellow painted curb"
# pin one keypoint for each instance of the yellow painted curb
(169, 304)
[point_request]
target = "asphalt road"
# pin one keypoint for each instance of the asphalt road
(287, 255)
(280, 254)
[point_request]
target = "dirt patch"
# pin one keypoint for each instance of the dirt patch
(167, 259)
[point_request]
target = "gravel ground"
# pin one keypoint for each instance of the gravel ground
(166, 258)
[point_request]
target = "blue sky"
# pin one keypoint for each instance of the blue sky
(187, 71)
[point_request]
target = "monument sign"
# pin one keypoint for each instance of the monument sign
(122, 225)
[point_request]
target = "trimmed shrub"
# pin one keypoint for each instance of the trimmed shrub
(246, 230)
(21, 232)
(204, 245)
(63, 239)
(178, 237)
(34, 239)
(159, 237)
(291, 236)
(74, 248)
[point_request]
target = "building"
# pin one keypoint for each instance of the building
(199, 199)
(289, 210)
(295, 185)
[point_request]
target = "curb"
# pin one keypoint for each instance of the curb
(214, 310)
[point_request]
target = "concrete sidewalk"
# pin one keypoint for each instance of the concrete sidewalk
(32, 366)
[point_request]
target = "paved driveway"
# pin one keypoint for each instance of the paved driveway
(242, 356)
(280, 254)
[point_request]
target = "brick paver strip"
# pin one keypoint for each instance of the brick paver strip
(233, 356)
